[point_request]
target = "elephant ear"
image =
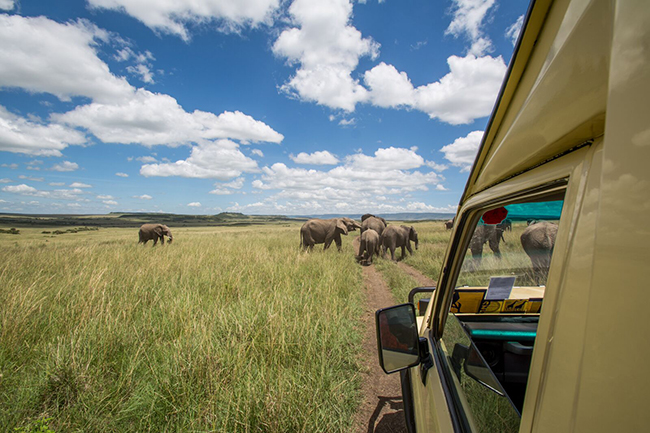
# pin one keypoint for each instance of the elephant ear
(340, 224)
(158, 230)
(383, 220)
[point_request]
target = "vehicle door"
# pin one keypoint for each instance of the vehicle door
(481, 325)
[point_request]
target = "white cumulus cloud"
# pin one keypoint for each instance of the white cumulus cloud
(80, 185)
(386, 159)
(19, 135)
(513, 31)
(462, 152)
(390, 88)
(121, 174)
(143, 197)
(173, 17)
(327, 49)
(380, 182)
(466, 93)
(41, 55)
(157, 119)
(468, 20)
(221, 160)
(317, 158)
(194, 204)
(65, 166)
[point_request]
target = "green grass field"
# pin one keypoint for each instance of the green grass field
(227, 329)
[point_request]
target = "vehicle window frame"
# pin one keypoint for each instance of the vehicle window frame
(468, 221)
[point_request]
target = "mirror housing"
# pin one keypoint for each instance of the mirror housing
(398, 344)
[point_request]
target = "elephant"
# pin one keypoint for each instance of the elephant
(449, 224)
(369, 245)
(375, 223)
(491, 234)
(504, 225)
(538, 240)
(398, 236)
(319, 231)
(154, 231)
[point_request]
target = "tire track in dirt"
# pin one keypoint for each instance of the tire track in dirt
(382, 409)
(423, 280)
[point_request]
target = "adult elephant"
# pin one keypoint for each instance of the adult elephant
(320, 231)
(369, 246)
(449, 224)
(375, 223)
(490, 234)
(154, 232)
(504, 225)
(538, 240)
(398, 236)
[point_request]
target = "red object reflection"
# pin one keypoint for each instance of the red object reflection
(495, 216)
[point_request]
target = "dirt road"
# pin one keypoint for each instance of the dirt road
(382, 410)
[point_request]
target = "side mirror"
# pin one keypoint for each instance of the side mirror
(397, 338)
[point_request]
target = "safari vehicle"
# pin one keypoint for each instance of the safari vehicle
(503, 346)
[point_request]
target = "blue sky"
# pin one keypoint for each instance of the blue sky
(254, 106)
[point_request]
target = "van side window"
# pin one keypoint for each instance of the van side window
(489, 336)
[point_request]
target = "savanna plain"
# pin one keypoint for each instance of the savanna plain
(227, 329)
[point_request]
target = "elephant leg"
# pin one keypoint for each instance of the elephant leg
(337, 240)
(494, 246)
(392, 253)
(403, 252)
(477, 253)
(155, 241)
(408, 247)
(162, 240)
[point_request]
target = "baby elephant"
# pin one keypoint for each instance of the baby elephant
(394, 237)
(369, 245)
(155, 232)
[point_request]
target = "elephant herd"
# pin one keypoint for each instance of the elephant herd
(376, 237)
(537, 240)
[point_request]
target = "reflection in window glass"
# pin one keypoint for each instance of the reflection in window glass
(520, 245)
(489, 335)
(486, 406)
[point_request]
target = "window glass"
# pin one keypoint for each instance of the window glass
(489, 336)
(485, 403)
(520, 246)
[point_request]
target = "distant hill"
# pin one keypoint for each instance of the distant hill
(405, 216)
(135, 219)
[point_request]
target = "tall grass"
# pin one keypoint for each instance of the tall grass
(224, 330)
